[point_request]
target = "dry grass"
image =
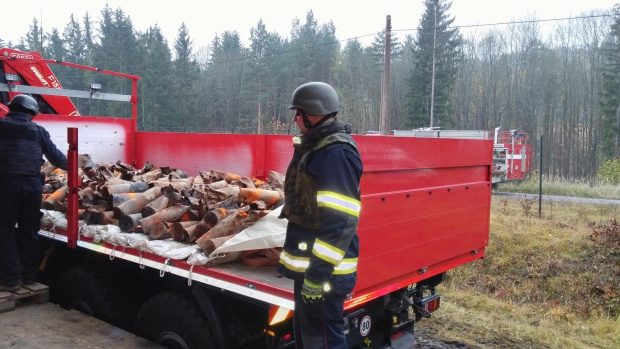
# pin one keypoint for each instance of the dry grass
(565, 188)
(545, 283)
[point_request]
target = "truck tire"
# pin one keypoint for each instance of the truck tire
(173, 321)
(80, 289)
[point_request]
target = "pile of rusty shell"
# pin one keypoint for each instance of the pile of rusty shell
(180, 230)
(136, 204)
(155, 206)
(270, 197)
(132, 187)
(154, 225)
(127, 223)
(51, 201)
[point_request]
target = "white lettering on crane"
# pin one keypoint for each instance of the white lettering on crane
(21, 56)
(55, 83)
(39, 76)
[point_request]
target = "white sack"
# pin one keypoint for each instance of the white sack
(267, 232)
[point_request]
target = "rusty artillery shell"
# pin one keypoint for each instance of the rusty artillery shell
(115, 181)
(136, 204)
(127, 222)
(151, 224)
(210, 245)
(230, 225)
(179, 230)
(137, 187)
(118, 199)
(86, 193)
(155, 206)
(177, 184)
(212, 217)
(51, 201)
(47, 188)
(196, 231)
(98, 217)
(270, 197)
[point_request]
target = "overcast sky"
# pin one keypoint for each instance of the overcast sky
(352, 18)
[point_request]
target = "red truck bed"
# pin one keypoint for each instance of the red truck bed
(425, 201)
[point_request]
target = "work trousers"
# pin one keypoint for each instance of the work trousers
(20, 217)
(320, 325)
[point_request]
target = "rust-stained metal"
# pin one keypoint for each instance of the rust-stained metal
(50, 202)
(230, 225)
(118, 199)
(154, 206)
(270, 197)
(136, 204)
(209, 245)
(127, 223)
(179, 230)
(131, 187)
(206, 209)
(153, 225)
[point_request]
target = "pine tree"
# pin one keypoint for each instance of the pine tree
(158, 108)
(74, 39)
(265, 82)
(185, 72)
(435, 39)
(34, 38)
(610, 94)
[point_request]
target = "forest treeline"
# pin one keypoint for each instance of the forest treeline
(563, 84)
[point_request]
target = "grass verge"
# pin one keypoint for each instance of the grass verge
(601, 191)
(545, 283)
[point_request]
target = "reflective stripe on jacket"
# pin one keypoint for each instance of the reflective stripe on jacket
(322, 204)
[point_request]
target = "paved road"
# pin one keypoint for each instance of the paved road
(558, 198)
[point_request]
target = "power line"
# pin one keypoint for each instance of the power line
(277, 53)
(518, 22)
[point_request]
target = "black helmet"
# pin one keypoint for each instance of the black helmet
(315, 98)
(24, 103)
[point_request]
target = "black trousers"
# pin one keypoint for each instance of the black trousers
(321, 325)
(20, 217)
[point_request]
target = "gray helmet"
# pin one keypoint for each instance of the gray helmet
(315, 98)
(24, 103)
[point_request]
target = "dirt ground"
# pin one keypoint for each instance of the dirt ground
(34, 326)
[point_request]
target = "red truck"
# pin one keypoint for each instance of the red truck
(425, 210)
(512, 153)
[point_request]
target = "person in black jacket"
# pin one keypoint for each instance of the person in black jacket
(322, 205)
(22, 146)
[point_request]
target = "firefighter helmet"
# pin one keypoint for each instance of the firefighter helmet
(24, 103)
(315, 98)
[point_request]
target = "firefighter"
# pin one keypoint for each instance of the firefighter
(22, 145)
(322, 205)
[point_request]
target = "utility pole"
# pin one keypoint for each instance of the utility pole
(385, 88)
(433, 69)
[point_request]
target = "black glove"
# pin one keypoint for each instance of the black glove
(313, 292)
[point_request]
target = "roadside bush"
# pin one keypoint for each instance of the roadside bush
(609, 171)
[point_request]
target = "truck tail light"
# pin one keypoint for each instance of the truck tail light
(427, 305)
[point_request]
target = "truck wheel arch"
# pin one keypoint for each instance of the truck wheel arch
(170, 318)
